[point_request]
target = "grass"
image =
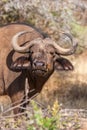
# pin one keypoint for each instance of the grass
(36, 117)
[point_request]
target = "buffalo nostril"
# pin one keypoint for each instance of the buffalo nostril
(39, 63)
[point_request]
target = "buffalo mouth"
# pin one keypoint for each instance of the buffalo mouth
(39, 72)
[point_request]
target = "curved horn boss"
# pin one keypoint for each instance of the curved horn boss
(59, 49)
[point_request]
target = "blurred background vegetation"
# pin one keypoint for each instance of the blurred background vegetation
(51, 16)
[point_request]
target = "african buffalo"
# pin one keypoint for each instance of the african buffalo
(25, 53)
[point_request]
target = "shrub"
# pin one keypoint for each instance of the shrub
(45, 121)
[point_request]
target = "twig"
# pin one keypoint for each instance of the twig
(23, 97)
(12, 116)
(12, 108)
(40, 104)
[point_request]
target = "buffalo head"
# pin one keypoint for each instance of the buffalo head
(42, 55)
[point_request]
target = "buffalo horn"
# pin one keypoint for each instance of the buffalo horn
(18, 48)
(64, 51)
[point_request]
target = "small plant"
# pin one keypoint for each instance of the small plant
(52, 119)
(39, 119)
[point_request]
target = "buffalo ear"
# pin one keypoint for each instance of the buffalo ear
(20, 64)
(63, 64)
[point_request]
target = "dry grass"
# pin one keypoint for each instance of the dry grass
(36, 116)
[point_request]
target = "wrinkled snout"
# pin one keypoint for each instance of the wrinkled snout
(39, 68)
(38, 64)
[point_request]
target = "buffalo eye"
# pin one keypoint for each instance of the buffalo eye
(31, 52)
(52, 53)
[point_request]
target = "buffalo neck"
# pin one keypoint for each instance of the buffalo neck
(36, 83)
